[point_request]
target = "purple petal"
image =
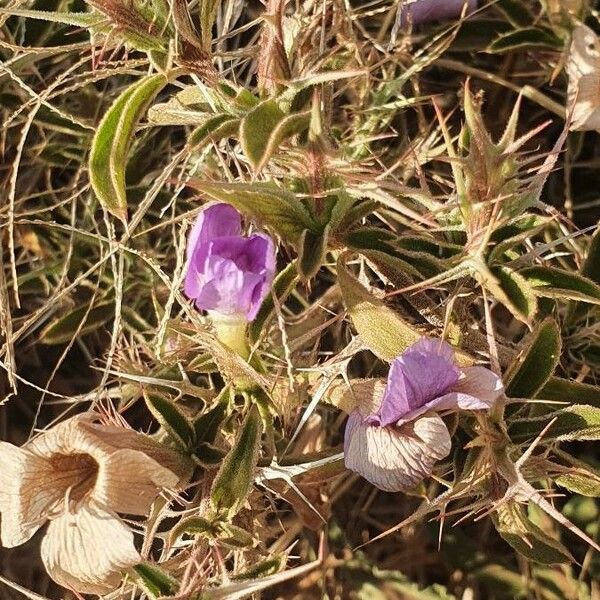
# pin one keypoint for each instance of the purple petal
(393, 458)
(262, 250)
(477, 389)
(227, 272)
(423, 11)
(264, 256)
(227, 289)
(421, 374)
(216, 220)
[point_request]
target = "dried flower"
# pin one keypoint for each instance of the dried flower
(394, 436)
(228, 274)
(423, 11)
(78, 475)
(583, 68)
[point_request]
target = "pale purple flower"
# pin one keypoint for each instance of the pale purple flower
(394, 436)
(423, 11)
(228, 273)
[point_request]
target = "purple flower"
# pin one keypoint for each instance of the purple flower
(423, 11)
(228, 273)
(395, 436)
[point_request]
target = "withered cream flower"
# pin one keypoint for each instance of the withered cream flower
(78, 475)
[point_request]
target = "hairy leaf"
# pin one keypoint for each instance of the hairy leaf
(535, 362)
(384, 332)
(234, 479)
(112, 141)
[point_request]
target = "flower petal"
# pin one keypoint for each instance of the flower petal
(264, 256)
(364, 395)
(129, 481)
(422, 11)
(480, 383)
(477, 389)
(213, 223)
(216, 220)
(422, 373)
(230, 289)
(86, 550)
(395, 458)
(28, 492)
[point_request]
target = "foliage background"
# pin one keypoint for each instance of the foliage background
(90, 306)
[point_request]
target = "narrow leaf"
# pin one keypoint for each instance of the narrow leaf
(564, 390)
(536, 361)
(208, 14)
(213, 129)
(287, 127)
(312, 250)
(527, 538)
(168, 414)
(285, 282)
(155, 581)
(234, 479)
(80, 322)
(562, 285)
(384, 332)
(275, 207)
(256, 129)
(529, 37)
(112, 142)
(78, 19)
(577, 422)
(514, 292)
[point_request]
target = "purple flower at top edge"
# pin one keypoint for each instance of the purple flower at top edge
(395, 440)
(228, 273)
(423, 11)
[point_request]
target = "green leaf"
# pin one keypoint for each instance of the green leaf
(206, 426)
(399, 271)
(155, 581)
(234, 536)
(287, 127)
(591, 270)
(312, 249)
(192, 526)
(170, 417)
(261, 569)
(256, 129)
(514, 292)
(578, 422)
(562, 285)
(213, 129)
(186, 107)
(564, 390)
(536, 361)
(529, 37)
(514, 234)
(501, 581)
(585, 482)
(78, 19)
(112, 142)
(384, 332)
(234, 479)
(63, 329)
(277, 208)
(285, 282)
(526, 538)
